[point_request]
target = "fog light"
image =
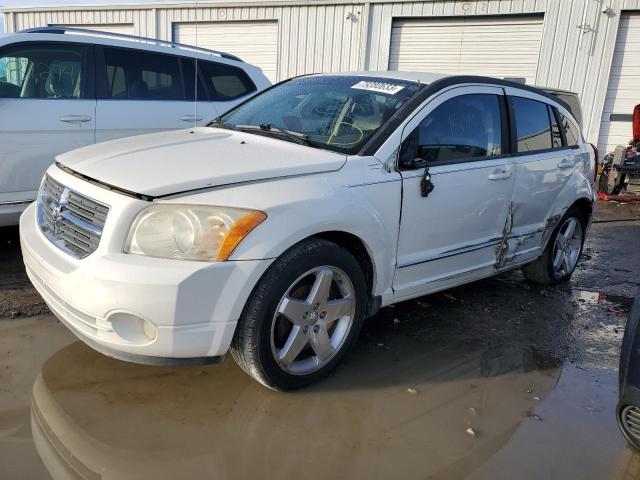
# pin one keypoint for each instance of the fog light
(149, 330)
(132, 328)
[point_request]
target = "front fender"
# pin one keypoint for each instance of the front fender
(301, 207)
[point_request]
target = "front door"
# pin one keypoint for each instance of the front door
(47, 108)
(452, 235)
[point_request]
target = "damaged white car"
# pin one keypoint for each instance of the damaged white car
(276, 230)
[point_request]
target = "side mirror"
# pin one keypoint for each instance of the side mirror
(636, 124)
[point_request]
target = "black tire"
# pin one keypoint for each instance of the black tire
(251, 347)
(541, 270)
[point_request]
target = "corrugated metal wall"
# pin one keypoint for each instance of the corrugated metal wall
(576, 51)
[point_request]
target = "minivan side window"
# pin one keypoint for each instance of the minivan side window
(571, 132)
(135, 75)
(45, 71)
(533, 127)
(225, 82)
(462, 128)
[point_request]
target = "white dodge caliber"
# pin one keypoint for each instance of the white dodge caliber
(276, 230)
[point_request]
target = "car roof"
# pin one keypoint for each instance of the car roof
(420, 77)
(89, 37)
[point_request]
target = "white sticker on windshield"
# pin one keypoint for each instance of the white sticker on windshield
(381, 87)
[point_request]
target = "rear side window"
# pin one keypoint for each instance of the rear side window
(137, 75)
(43, 71)
(225, 82)
(533, 125)
(462, 128)
(571, 132)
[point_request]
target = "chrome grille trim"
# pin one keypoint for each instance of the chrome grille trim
(70, 220)
(631, 421)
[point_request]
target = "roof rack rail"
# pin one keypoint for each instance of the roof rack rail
(61, 29)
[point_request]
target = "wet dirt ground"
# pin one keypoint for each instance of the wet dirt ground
(499, 379)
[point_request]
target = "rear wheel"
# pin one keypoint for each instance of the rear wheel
(303, 317)
(562, 253)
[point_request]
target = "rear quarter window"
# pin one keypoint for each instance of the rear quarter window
(225, 82)
(572, 134)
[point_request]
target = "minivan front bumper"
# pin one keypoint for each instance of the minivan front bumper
(141, 309)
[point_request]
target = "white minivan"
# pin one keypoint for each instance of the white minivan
(275, 230)
(64, 88)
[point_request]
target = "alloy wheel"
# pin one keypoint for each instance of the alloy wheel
(313, 319)
(567, 247)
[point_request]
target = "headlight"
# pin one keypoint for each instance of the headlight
(190, 232)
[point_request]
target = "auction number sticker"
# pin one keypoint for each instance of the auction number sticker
(380, 87)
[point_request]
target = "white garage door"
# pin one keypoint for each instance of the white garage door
(493, 46)
(124, 28)
(624, 86)
(253, 42)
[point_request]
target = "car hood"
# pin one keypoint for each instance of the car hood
(179, 161)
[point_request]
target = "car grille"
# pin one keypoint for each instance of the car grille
(70, 220)
(631, 421)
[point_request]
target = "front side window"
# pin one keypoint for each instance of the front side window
(135, 75)
(43, 71)
(533, 126)
(463, 128)
(339, 113)
(571, 132)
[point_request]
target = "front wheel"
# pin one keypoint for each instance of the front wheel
(303, 317)
(561, 255)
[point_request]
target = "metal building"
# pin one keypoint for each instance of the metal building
(591, 47)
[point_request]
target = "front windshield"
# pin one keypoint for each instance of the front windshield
(338, 113)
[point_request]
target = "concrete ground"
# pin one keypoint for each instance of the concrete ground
(499, 379)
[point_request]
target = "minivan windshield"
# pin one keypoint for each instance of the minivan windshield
(338, 113)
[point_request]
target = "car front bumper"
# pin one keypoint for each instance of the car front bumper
(141, 309)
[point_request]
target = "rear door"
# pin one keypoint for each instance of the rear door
(143, 92)
(544, 163)
(47, 106)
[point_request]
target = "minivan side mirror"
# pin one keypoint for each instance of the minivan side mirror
(636, 124)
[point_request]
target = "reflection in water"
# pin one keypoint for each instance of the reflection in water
(94, 417)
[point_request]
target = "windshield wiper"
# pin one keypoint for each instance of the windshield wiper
(223, 124)
(296, 137)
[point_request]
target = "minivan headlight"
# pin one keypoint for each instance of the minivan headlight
(190, 232)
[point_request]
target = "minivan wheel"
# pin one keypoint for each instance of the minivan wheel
(562, 253)
(303, 316)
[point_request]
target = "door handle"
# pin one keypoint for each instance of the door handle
(75, 118)
(190, 118)
(566, 163)
(500, 174)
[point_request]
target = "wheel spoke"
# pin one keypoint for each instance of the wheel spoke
(565, 262)
(337, 309)
(571, 227)
(320, 291)
(293, 346)
(293, 309)
(557, 260)
(321, 344)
